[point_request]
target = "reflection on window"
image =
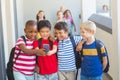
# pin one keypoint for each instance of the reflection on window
(103, 7)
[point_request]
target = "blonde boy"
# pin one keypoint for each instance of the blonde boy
(91, 68)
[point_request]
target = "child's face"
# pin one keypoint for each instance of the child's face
(41, 15)
(85, 33)
(67, 14)
(60, 34)
(45, 33)
(60, 15)
(31, 32)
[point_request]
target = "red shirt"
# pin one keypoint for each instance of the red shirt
(47, 64)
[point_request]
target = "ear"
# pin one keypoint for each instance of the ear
(67, 32)
(24, 30)
(92, 31)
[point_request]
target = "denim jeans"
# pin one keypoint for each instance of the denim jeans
(91, 78)
(53, 76)
(20, 76)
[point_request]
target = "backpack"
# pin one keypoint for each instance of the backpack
(77, 54)
(97, 43)
(9, 70)
(100, 55)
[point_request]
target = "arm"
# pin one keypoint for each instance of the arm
(32, 51)
(79, 46)
(104, 59)
(53, 51)
(74, 25)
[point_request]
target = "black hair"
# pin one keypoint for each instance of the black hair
(67, 11)
(43, 23)
(30, 23)
(61, 26)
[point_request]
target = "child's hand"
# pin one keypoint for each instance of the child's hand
(40, 52)
(37, 69)
(79, 47)
(49, 53)
(51, 38)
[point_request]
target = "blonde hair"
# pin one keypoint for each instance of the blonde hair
(59, 12)
(88, 25)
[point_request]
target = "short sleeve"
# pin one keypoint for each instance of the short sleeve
(77, 39)
(19, 41)
(103, 50)
(55, 43)
(35, 44)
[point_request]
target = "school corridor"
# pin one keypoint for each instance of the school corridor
(14, 14)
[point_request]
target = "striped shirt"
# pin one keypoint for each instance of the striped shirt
(25, 63)
(66, 57)
(91, 64)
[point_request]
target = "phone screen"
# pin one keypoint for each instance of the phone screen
(46, 47)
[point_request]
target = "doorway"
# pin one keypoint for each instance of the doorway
(2, 55)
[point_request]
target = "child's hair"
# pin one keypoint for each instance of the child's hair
(61, 26)
(37, 17)
(105, 7)
(59, 12)
(30, 23)
(43, 23)
(88, 25)
(67, 11)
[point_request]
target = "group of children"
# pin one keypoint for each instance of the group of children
(49, 67)
(64, 16)
(58, 63)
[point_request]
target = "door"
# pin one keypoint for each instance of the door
(2, 54)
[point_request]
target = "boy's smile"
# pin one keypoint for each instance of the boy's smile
(61, 34)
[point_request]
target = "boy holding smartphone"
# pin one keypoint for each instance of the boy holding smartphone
(48, 65)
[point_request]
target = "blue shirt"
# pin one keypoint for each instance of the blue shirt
(91, 64)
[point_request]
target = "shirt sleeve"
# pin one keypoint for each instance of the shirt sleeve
(19, 41)
(55, 43)
(103, 50)
(77, 39)
(35, 44)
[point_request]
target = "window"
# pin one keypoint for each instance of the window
(103, 7)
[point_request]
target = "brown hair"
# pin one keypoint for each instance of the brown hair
(37, 17)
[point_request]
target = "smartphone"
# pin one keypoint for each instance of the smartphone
(46, 47)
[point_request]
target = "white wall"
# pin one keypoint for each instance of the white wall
(109, 42)
(112, 41)
(88, 8)
(8, 26)
(29, 9)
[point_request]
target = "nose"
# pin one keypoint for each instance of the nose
(34, 34)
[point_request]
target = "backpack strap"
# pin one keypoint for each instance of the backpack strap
(100, 55)
(23, 37)
(97, 42)
(75, 52)
(73, 43)
(40, 43)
